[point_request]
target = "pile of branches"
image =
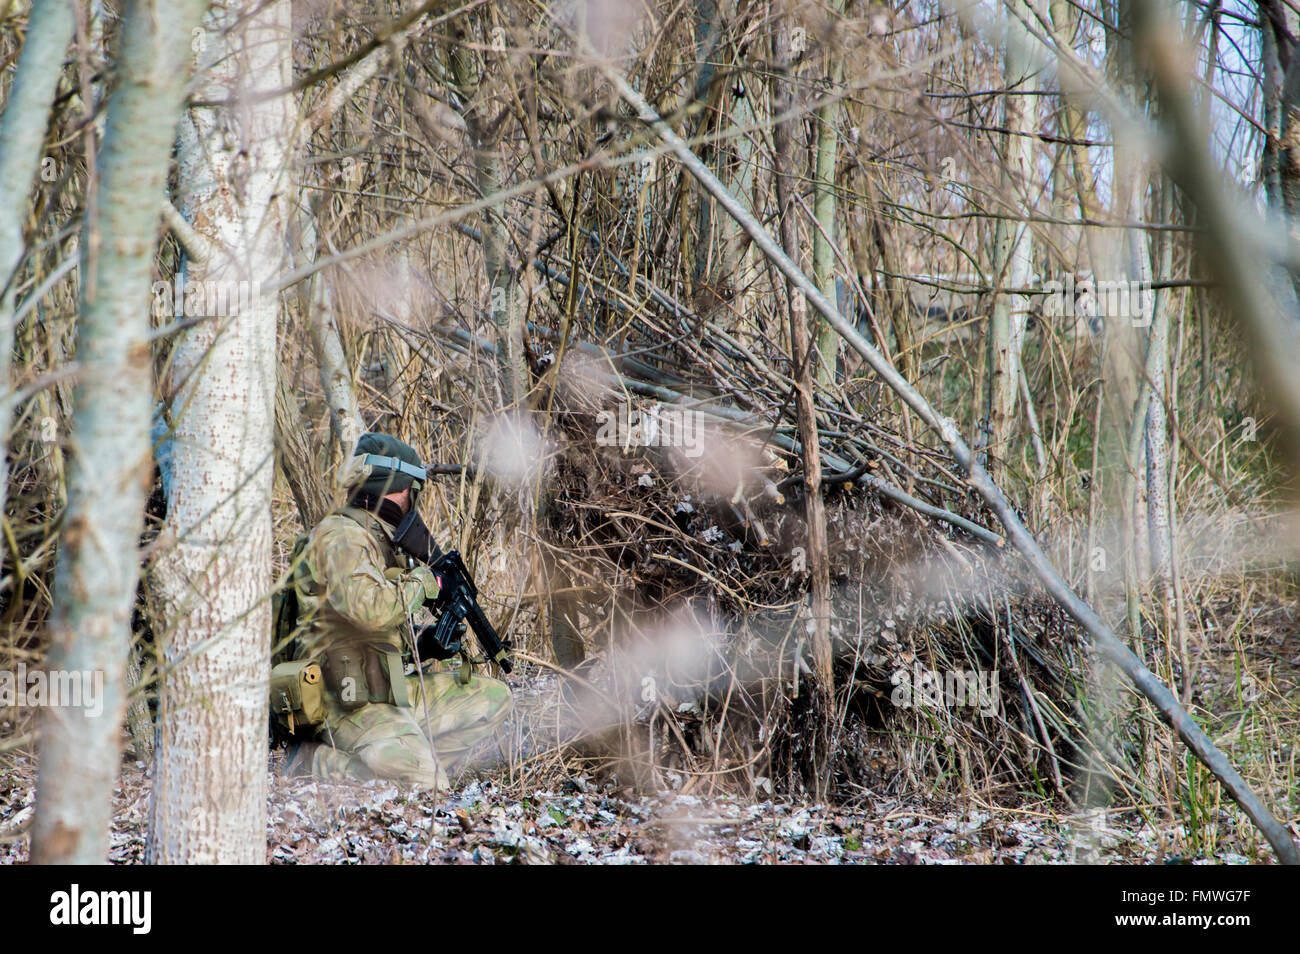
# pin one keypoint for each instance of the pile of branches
(674, 511)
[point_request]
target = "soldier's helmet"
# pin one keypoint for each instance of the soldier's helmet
(381, 464)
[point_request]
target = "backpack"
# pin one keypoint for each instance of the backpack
(285, 609)
(297, 693)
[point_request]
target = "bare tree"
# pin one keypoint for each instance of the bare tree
(209, 795)
(98, 567)
(1012, 249)
(824, 186)
(803, 358)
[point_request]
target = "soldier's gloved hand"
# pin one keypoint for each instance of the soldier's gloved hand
(428, 580)
(418, 585)
(431, 647)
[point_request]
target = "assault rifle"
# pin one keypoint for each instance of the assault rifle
(456, 602)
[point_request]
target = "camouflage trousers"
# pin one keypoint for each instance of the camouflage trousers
(386, 741)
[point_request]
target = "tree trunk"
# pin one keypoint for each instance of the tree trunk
(1012, 258)
(823, 261)
(1281, 102)
(801, 358)
(741, 262)
(707, 271)
(95, 584)
(209, 797)
(1074, 127)
(1157, 439)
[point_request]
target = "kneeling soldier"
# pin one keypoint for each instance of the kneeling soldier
(355, 598)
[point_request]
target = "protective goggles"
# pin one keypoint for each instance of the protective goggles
(417, 474)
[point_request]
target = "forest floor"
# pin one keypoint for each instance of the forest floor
(582, 821)
(567, 813)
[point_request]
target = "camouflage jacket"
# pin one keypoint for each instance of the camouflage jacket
(352, 587)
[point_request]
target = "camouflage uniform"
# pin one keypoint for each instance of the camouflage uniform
(355, 597)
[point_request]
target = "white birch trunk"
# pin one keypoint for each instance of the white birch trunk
(823, 262)
(209, 800)
(740, 258)
(1159, 503)
(1012, 257)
